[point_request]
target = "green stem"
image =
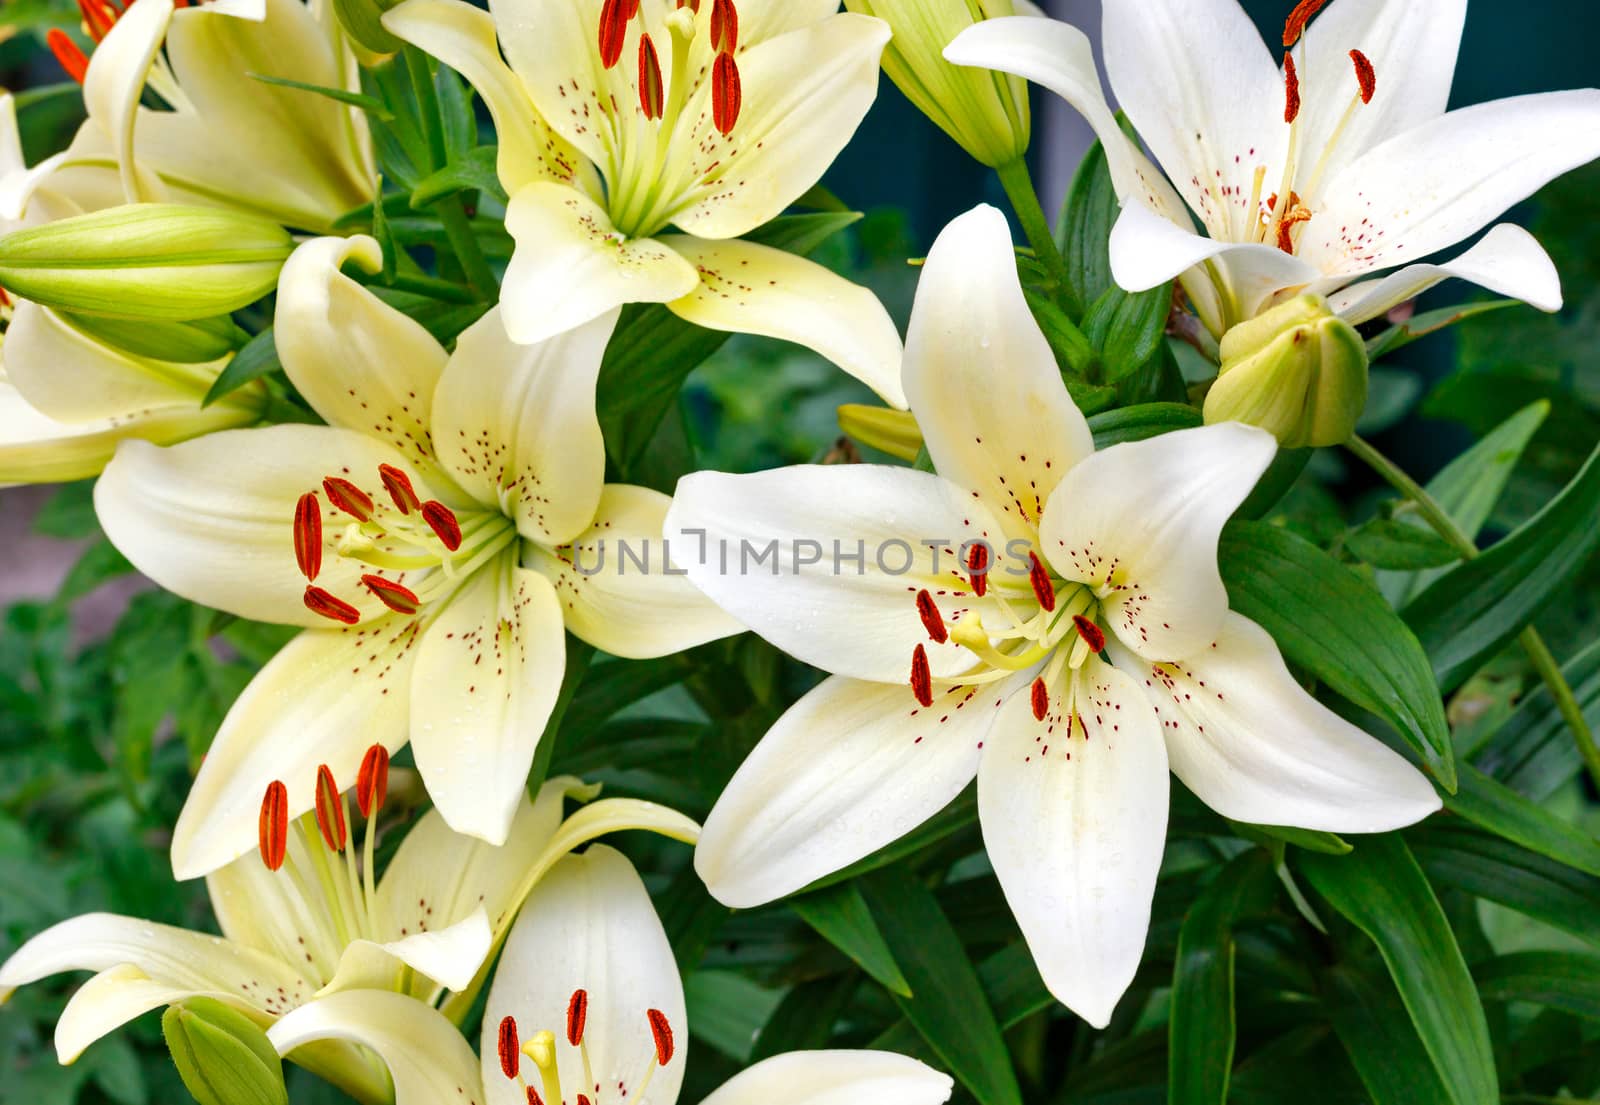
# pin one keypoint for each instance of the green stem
(1532, 643)
(452, 212)
(1018, 183)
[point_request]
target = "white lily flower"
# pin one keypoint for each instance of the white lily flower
(311, 924)
(640, 138)
(228, 139)
(1065, 628)
(587, 1006)
(425, 538)
(1311, 177)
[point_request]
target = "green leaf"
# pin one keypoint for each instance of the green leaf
(950, 1009)
(1474, 609)
(196, 342)
(1328, 621)
(373, 106)
(1415, 329)
(1468, 488)
(69, 513)
(841, 917)
(1382, 1043)
(1127, 329)
(1312, 840)
(257, 359)
(1138, 423)
(1381, 890)
(1501, 810)
(100, 562)
(1533, 752)
(1391, 543)
(727, 1010)
(1202, 1030)
(804, 1019)
(1569, 981)
(472, 171)
(1087, 216)
(1073, 352)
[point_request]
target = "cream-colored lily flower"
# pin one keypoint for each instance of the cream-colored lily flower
(228, 139)
(313, 924)
(1066, 633)
(425, 539)
(640, 138)
(587, 1005)
(1311, 177)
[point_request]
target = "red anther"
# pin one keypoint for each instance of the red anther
(652, 93)
(614, 17)
(928, 610)
(533, 1097)
(724, 27)
(1366, 75)
(1295, 26)
(632, 9)
(727, 93)
(98, 18)
(661, 1029)
(1090, 632)
(1043, 589)
(330, 811)
(1291, 89)
(921, 677)
(349, 498)
(692, 5)
(1041, 699)
(442, 521)
(308, 534)
(398, 484)
(274, 825)
(507, 1044)
(400, 599)
(577, 1016)
(5, 300)
(67, 53)
(372, 781)
(978, 568)
(583, 1099)
(328, 606)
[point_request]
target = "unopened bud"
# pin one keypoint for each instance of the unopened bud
(889, 431)
(362, 20)
(1298, 371)
(198, 342)
(223, 1057)
(147, 261)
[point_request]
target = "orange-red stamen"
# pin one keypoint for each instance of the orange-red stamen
(308, 535)
(330, 811)
(661, 1029)
(67, 53)
(978, 568)
(614, 19)
(507, 1044)
(322, 603)
(349, 498)
(274, 825)
(724, 27)
(1091, 633)
(533, 1097)
(397, 597)
(577, 1016)
(1366, 75)
(1043, 590)
(1041, 699)
(932, 621)
(1295, 26)
(398, 484)
(442, 521)
(652, 92)
(98, 18)
(921, 676)
(1291, 86)
(372, 781)
(727, 93)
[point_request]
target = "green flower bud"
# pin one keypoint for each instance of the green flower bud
(362, 20)
(1298, 371)
(891, 431)
(222, 1055)
(198, 342)
(984, 111)
(147, 261)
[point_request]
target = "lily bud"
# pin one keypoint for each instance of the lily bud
(986, 112)
(198, 342)
(149, 261)
(362, 20)
(223, 1057)
(887, 430)
(1298, 371)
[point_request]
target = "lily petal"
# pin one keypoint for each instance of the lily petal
(849, 768)
(747, 288)
(1442, 181)
(571, 265)
(822, 1077)
(450, 956)
(553, 50)
(516, 424)
(982, 381)
(826, 561)
(427, 1057)
(324, 699)
(1508, 261)
(1140, 522)
(114, 84)
(154, 964)
(617, 589)
(589, 926)
(1074, 815)
(1244, 736)
(487, 674)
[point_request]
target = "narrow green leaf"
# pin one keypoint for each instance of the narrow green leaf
(196, 342)
(258, 358)
(1328, 621)
(1073, 352)
(1382, 891)
(1378, 1036)
(370, 104)
(1533, 752)
(1144, 421)
(1312, 840)
(950, 1009)
(1281, 475)
(472, 171)
(1127, 328)
(727, 1010)
(841, 917)
(1569, 981)
(1391, 543)
(1087, 216)
(1476, 608)
(1493, 806)
(1202, 1029)
(1431, 322)
(804, 1019)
